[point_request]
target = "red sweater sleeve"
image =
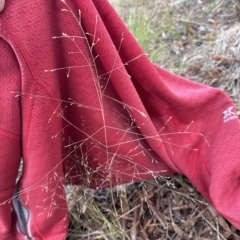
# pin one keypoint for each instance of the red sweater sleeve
(214, 164)
(10, 128)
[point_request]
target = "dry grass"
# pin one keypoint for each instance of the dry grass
(199, 40)
(163, 209)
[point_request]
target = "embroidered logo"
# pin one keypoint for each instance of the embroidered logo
(229, 115)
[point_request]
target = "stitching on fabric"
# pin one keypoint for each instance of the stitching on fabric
(29, 115)
(25, 57)
(10, 135)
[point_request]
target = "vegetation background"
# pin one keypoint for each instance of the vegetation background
(200, 40)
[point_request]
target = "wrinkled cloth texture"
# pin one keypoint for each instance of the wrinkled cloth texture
(81, 103)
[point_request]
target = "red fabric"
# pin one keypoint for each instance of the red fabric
(81, 103)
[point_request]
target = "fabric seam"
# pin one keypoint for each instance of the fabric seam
(10, 135)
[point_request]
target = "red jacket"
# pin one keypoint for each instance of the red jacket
(82, 104)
